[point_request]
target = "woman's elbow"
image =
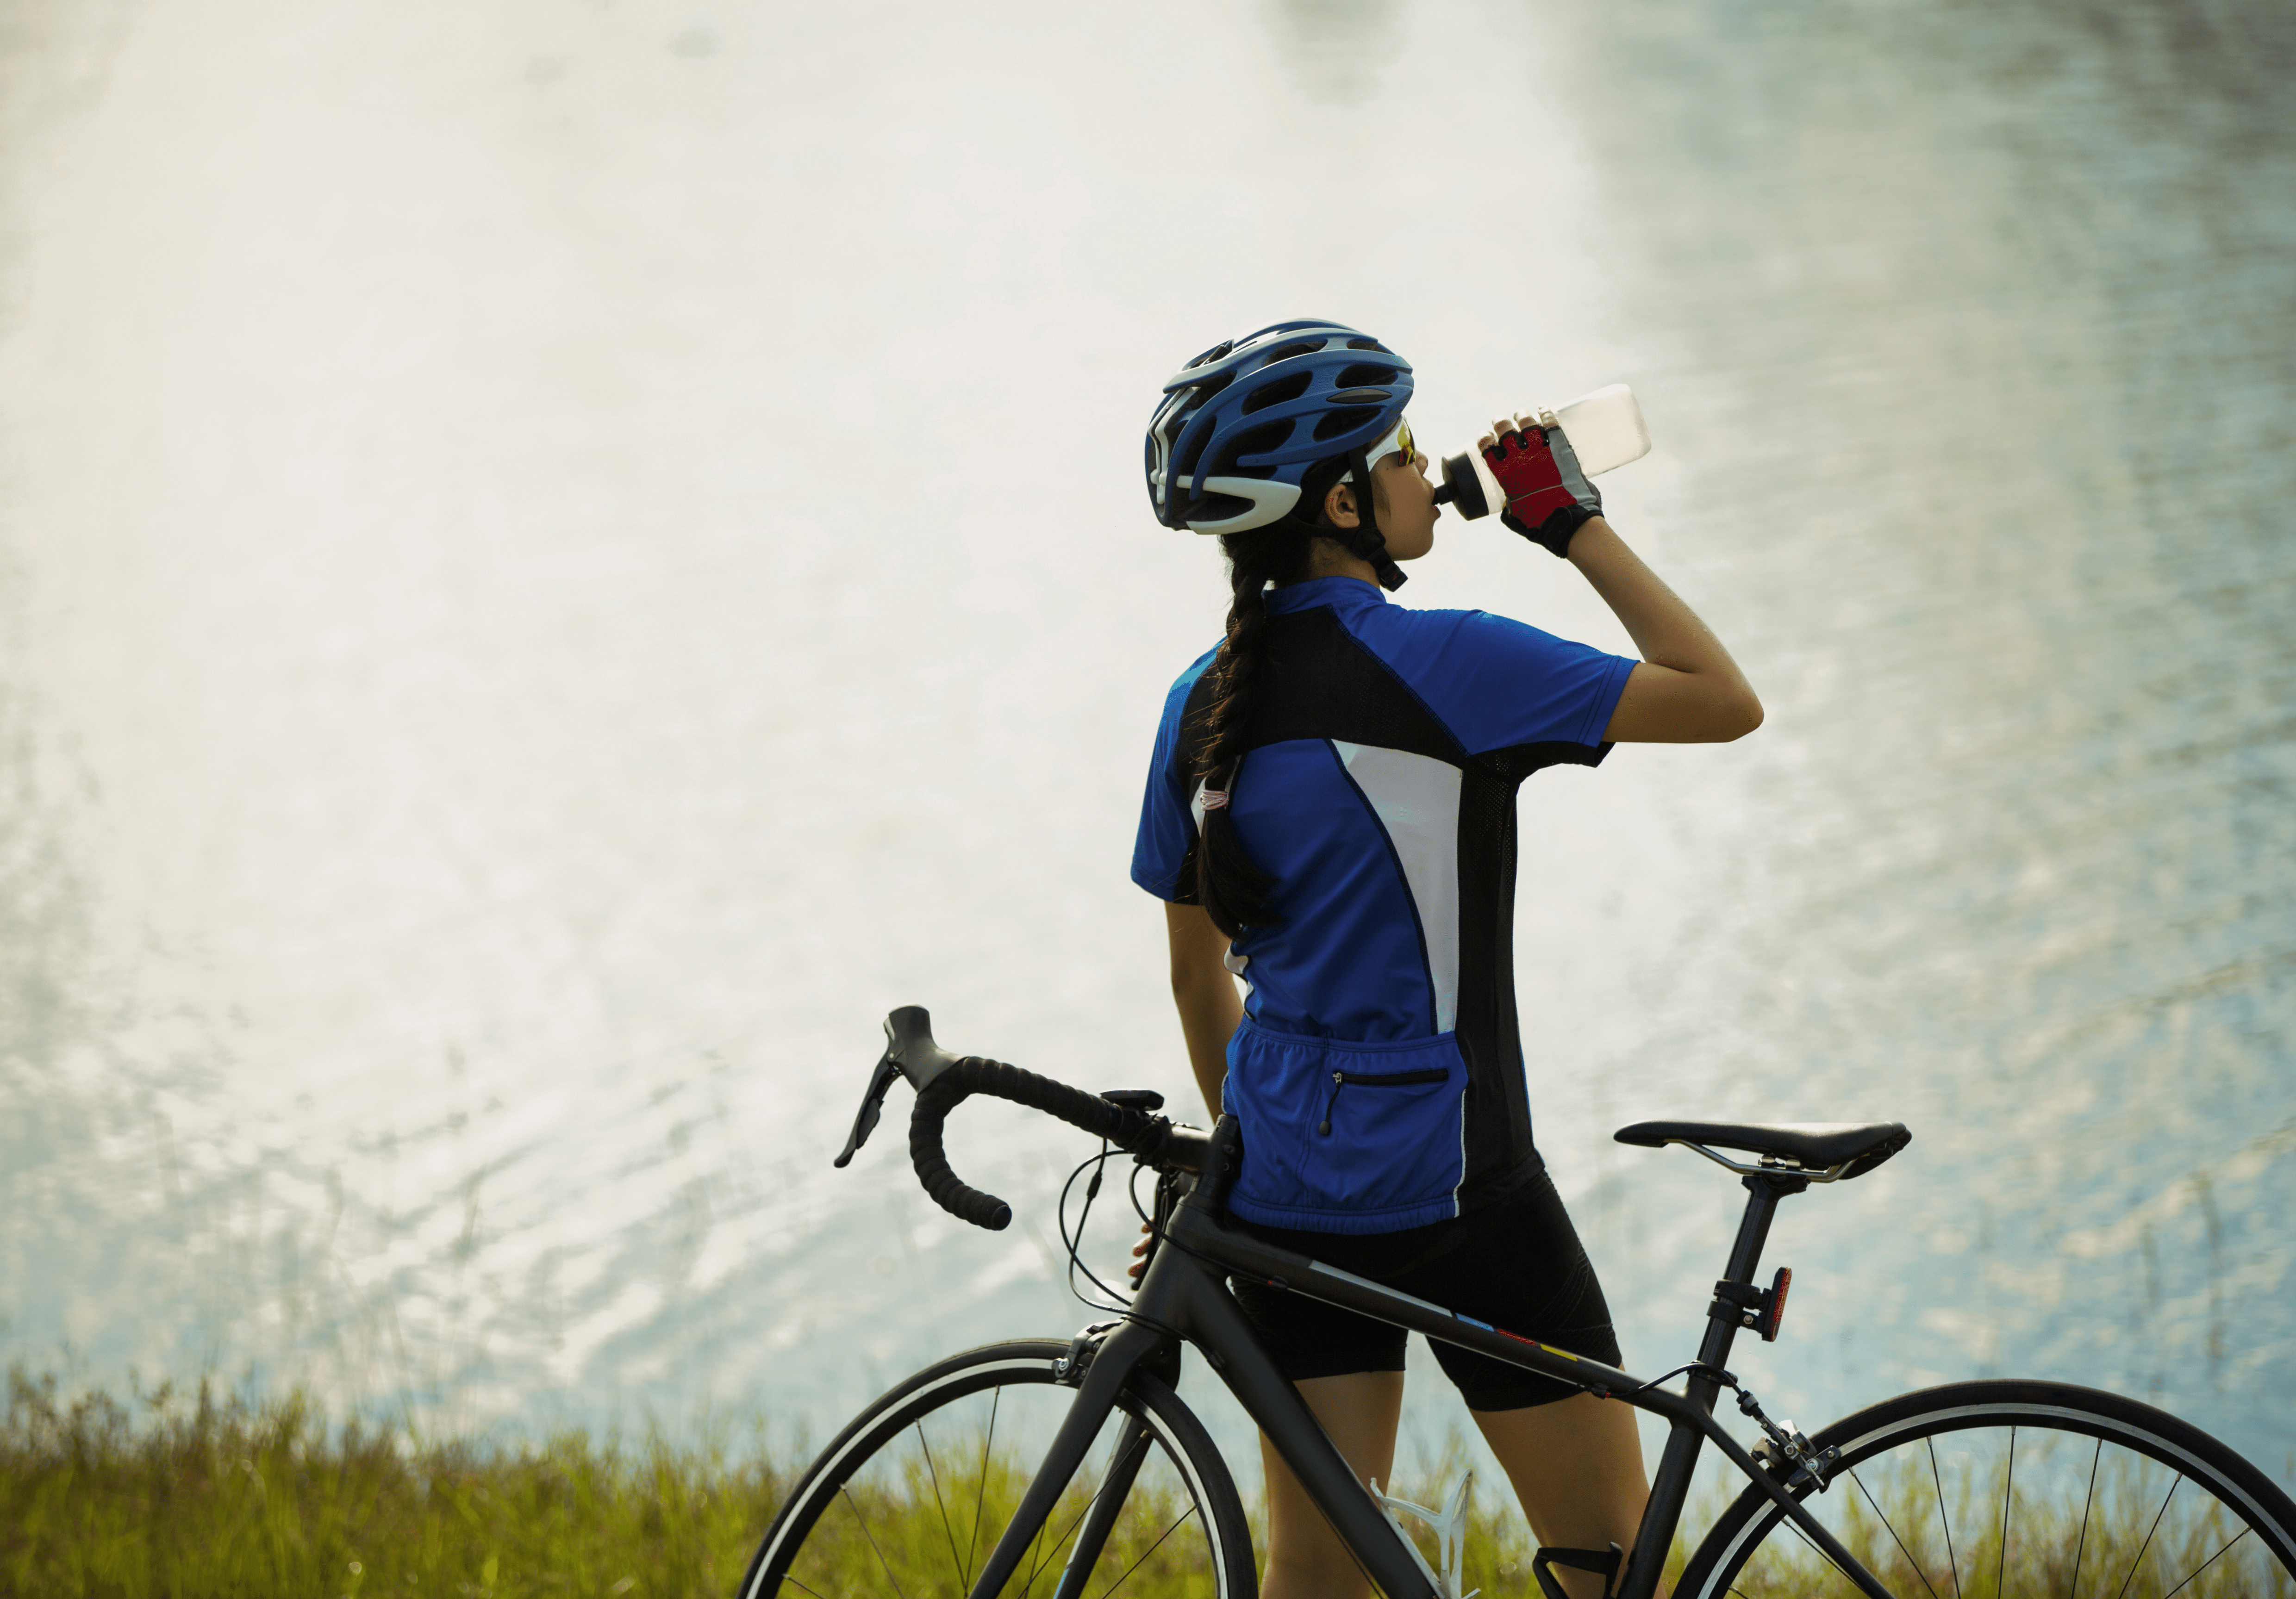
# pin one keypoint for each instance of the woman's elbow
(1741, 716)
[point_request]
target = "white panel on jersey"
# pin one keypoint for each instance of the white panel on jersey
(1417, 801)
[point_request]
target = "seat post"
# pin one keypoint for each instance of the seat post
(1763, 1193)
(1671, 1487)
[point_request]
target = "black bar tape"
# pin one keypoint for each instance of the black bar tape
(1127, 1130)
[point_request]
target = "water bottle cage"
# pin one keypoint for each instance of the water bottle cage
(1605, 1562)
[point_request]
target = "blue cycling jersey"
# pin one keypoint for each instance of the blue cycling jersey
(1378, 1075)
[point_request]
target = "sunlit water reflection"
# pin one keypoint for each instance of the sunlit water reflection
(556, 562)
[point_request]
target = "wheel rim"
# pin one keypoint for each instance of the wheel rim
(1989, 1502)
(912, 1505)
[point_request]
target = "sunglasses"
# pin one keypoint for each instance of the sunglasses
(1400, 439)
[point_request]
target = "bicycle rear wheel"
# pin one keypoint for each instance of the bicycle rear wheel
(911, 1497)
(1981, 1490)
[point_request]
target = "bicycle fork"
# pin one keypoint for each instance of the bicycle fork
(1111, 1367)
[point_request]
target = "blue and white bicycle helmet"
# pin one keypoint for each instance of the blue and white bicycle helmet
(1240, 424)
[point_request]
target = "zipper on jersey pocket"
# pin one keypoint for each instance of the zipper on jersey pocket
(1377, 1079)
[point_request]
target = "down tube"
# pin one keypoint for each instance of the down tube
(1215, 1321)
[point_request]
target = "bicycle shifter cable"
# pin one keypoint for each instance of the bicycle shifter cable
(1075, 1246)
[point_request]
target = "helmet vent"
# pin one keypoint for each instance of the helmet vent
(1285, 352)
(1252, 441)
(1336, 423)
(1365, 372)
(1359, 396)
(1369, 344)
(1277, 393)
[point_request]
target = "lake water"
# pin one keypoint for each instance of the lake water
(558, 560)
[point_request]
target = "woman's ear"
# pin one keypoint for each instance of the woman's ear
(1339, 506)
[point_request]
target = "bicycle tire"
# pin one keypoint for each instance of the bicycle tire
(911, 1511)
(2180, 1512)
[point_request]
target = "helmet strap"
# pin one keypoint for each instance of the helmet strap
(1368, 541)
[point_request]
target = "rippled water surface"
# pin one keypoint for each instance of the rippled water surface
(558, 560)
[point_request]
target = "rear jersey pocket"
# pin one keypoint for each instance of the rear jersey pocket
(1343, 1138)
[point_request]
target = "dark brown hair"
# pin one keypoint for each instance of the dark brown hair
(1233, 890)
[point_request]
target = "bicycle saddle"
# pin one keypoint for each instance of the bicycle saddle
(1813, 1145)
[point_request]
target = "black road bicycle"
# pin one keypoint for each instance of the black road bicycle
(1070, 1467)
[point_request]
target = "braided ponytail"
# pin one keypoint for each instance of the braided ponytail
(1232, 889)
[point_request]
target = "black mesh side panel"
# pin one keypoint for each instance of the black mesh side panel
(1499, 1102)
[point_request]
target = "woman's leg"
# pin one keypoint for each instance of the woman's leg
(1305, 1557)
(1577, 1465)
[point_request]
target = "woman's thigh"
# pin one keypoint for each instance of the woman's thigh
(1577, 1465)
(1306, 1559)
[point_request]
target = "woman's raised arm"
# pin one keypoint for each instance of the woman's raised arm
(1687, 690)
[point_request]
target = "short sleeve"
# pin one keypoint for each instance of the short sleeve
(1168, 825)
(1499, 684)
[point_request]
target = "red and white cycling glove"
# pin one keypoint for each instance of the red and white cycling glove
(1548, 497)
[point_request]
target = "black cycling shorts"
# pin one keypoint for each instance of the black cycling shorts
(1516, 1263)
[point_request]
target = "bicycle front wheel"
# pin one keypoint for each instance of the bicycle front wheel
(1981, 1491)
(915, 1492)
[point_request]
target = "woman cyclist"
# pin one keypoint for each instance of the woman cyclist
(1330, 816)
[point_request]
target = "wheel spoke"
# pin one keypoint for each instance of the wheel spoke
(2149, 1531)
(934, 1472)
(1952, 1561)
(794, 1583)
(2205, 1564)
(2008, 1487)
(1789, 1524)
(2088, 1498)
(1151, 1549)
(872, 1536)
(980, 1492)
(1894, 1538)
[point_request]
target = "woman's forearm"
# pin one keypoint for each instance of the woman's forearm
(1698, 695)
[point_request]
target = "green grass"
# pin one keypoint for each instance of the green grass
(207, 1493)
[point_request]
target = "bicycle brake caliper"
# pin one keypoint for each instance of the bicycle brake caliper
(1450, 1536)
(1069, 1369)
(1786, 1450)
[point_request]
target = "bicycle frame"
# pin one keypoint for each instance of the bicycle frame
(1184, 1293)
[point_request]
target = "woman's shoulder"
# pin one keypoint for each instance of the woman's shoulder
(1188, 679)
(1176, 697)
(1460, 629)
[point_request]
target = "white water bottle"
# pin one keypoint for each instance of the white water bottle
(1605, 429)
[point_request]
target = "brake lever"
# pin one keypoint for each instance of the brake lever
(873, 1105)
(911, 1052)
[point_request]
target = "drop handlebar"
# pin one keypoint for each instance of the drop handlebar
(944, 1081)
